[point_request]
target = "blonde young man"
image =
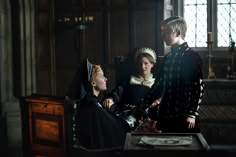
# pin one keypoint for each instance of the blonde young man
(180, 83)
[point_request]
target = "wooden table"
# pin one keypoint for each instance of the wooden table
(197, 147)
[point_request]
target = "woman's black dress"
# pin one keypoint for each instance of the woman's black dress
(99, 128)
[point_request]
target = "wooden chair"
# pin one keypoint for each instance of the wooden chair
(75, 148)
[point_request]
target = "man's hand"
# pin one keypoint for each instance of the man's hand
(191, 122)
(156, 102)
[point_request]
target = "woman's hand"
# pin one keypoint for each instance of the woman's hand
(107, 103)
(190, 122)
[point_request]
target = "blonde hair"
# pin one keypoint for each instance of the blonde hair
(176, 24)
(95, 70)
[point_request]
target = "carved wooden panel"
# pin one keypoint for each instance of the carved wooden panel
(47, 108)
(43, 126)
(47, 130)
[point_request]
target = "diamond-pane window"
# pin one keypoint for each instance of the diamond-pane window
(221, 18)
(226, 22)
(195, 14)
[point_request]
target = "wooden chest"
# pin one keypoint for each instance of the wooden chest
(43, 126)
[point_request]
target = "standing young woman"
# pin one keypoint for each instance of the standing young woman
(129, 93)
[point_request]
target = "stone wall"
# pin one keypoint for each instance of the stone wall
(218, 112)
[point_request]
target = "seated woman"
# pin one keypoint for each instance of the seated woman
(98, 128)
(128, 94)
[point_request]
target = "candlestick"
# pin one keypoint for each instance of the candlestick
(209, 36)
(211, 74)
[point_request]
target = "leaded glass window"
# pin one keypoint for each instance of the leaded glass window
(221, 19)
(195, 14)
(226, 22)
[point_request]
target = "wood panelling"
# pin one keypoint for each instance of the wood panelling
(119, 34)
(45, 55)
(93, 40)
(145, 28)
(43, 20)
(43, 50)
(119, 3)
(118, 28)
(43, 5)
(94, 3)
(148, 4)
(67, 48)
(43, 79)
(64, 78)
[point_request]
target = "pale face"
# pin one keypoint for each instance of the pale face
(145, 66)
(170, 38)
(99, 83)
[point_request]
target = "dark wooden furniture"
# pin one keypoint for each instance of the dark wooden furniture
(197, 146)
(43, 126)
(198, 141)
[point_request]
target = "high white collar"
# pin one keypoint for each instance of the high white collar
(140, 80)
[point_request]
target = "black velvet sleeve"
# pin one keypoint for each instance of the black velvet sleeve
(194, 87)
(117, 93)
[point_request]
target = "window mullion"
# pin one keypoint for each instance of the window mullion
(209, 15)
(212, 16)
(178, 7)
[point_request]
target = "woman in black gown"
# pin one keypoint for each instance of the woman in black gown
(97, 127)
(127, 96)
